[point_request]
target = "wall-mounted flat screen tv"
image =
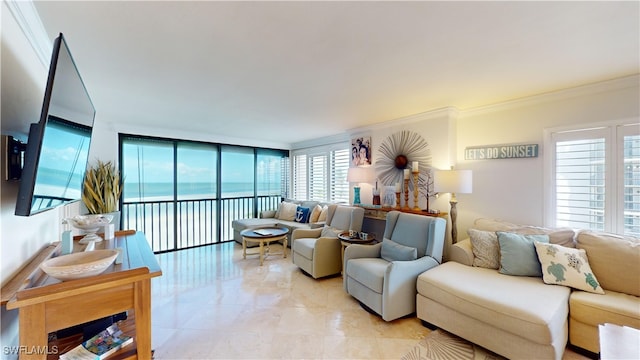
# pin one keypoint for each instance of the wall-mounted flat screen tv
(57, 151)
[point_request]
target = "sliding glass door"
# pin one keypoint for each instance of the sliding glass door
(184, 194)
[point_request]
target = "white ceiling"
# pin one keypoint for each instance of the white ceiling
(292, 71)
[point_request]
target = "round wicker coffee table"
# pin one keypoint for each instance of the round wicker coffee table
(264, 236)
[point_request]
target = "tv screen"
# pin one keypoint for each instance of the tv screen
(57, 150)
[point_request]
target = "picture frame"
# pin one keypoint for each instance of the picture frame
(361, 151)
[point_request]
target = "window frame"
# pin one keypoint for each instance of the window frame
(327, 153)
(613, 133)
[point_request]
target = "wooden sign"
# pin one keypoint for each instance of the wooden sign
(501, 152)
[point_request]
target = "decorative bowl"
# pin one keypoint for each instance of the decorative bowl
(79, 265)
(90, 224)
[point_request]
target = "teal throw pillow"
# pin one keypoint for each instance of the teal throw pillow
(302, 214)
(392, 251)
(518, 254)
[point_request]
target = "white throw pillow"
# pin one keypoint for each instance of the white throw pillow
(287, 211)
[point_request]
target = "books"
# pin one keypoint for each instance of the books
(100, 346)
(263, 232)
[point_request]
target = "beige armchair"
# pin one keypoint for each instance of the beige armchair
(318, 251)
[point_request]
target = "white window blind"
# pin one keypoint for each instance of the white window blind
(595, 175)
(300, 177)
(339, 190)
(320, 173)
(631, 176)
(318, 178)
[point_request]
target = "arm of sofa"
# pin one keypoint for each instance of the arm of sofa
(461, 252)
(305, 233)
(268, 214)
(399, 294)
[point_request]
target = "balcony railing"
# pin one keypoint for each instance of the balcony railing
(173, 225)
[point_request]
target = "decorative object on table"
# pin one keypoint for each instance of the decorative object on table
(361, 151)
(415, 170)
(398, 190)
(360, 174)
(101, 190)
(376, 195)
(90, 224)
(79, 265)
(407, 172)
(389, 196)
(99, 346)
(453, 181)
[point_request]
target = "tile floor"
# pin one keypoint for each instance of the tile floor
(212, 304)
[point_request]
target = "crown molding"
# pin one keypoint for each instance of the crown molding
(449, 112)
(632, 81)
(27, 17)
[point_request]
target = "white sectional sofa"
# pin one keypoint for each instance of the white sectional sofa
(533, 316)
(281, 218)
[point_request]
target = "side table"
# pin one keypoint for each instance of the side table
(346, 240)
(264, 236)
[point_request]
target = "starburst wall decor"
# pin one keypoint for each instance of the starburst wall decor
(397, 152)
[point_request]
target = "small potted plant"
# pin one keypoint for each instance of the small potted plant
(101, 190)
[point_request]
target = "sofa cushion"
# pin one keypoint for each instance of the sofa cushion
(518, 254)
(242, 224)
(614, 259)
(567, 267)
(523, 306)
(315, 214)
(323, 214)
(613, 307)
(305, 247)
(560, 236)
(392, 251)
(302, 214)
(485, 247)
(368, 271)
(287, 211)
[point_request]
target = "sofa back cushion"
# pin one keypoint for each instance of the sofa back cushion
(614, 259)
(559, 236)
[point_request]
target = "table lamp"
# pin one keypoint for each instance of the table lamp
(453, 181)
(360, 174)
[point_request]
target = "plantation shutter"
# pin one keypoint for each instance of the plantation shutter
(339, 186)
(300, 177)
(318, 177)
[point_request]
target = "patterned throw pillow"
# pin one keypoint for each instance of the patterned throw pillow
(567, 266)
(302, 214)
(486, 249)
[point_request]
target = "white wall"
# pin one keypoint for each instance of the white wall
(512, 189)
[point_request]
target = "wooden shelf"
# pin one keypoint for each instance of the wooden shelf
(46, 304)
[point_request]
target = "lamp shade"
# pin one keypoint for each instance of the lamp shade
(361, 174)
(453, 181)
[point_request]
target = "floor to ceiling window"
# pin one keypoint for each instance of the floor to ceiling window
(184, 193)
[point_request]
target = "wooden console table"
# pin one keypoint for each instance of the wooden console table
(46, 304)
(375, 218)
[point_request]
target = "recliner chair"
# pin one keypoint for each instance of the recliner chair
(382, 277)
(318, 252)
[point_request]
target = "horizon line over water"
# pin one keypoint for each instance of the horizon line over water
(202, 190)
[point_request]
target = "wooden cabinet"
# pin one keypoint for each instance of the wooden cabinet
(46, 304)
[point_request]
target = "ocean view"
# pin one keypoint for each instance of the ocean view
(164, 191)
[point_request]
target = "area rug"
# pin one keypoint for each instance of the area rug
(441, 345)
